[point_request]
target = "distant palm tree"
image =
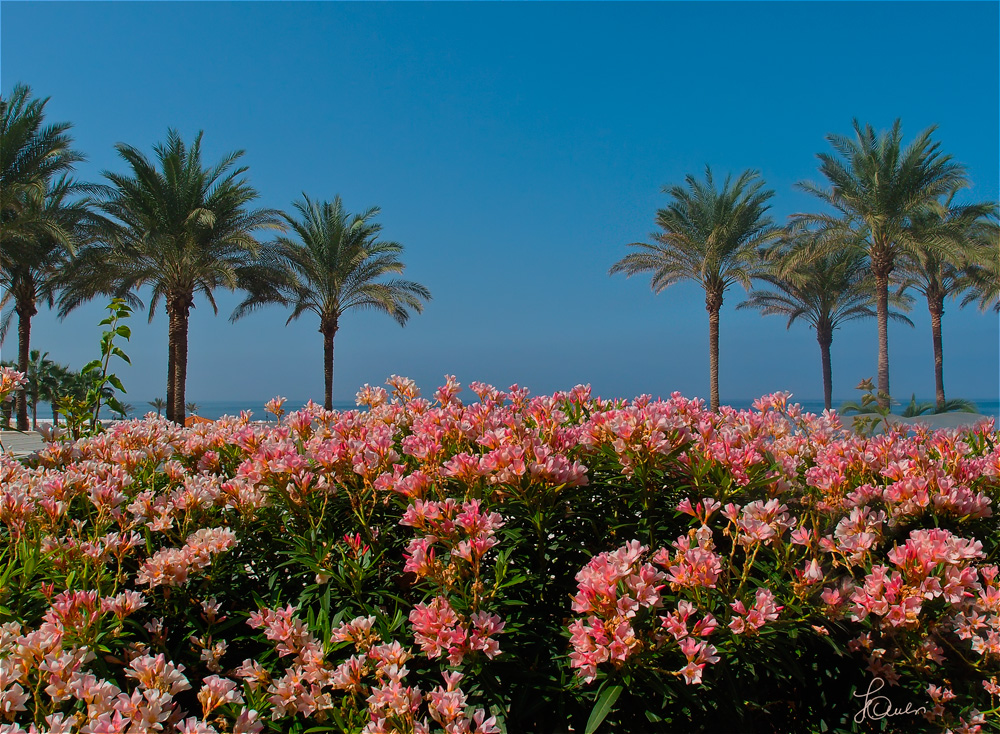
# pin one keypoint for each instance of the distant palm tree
(122, 410)
(35, 271)
(984, 270)
(825, 292)
(333, 264)
(159, 404)
(928, 269)
(43, 382)
(68, 384)
(710, 236)
(191, 408)
(178, 227)
(31, 155)
(876, 186)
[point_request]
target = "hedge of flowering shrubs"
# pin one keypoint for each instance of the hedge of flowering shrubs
(519, 564)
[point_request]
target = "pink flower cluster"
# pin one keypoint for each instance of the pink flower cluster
(171, 566)
(464, 531)
(377, 675)
(748, 621)
(440, 630)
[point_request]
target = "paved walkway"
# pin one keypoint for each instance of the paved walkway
(21, 444)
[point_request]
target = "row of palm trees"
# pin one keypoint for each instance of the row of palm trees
(893, 225)
(179, 228)
(56, 384)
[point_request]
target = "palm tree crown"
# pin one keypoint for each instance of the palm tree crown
(31, 154)
(710, 236)
(179, 228)
(984, 268)
(333, 263)
(875, 187)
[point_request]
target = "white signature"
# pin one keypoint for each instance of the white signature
(880, 707)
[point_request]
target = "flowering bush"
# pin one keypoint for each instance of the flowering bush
(517, 563)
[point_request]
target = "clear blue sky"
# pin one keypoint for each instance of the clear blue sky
(514, 150)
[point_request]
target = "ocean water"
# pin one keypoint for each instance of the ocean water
(216, 408)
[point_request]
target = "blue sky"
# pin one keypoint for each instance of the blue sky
(514, 150)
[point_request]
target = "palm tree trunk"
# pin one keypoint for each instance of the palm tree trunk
(328, 334)
(825, 338)
(170, 365)
(937, 311)
(24, 314)
(882, 316)
(179, 339)
(180, 368)
(713, 304)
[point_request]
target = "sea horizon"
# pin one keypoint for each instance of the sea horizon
(214, 409)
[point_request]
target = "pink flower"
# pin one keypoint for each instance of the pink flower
(215, 692)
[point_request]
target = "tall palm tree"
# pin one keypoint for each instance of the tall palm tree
(33, 232)
(825, 292)
(929, 269)
(984, 270)
(178, 227)
(333, 263)
(710, 236)
(31, 154)
(36, 270)
(875, 187)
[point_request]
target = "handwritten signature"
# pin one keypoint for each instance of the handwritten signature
(880, 707)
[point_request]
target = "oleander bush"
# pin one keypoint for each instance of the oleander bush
(519, 564)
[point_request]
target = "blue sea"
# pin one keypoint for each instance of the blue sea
(216, 408)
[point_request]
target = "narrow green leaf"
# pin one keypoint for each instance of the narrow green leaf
(605, 703)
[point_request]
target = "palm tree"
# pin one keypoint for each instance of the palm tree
(191, 408)
(67, 384)
(984, 270)
(36, 271)
(926, 268)
(710, 236)
(42, 382)
(876, 186)
(31, 154)
(824, 291)
(159, 404)
(333, 264)
(122, 411)
(34, 213)
(180, 228)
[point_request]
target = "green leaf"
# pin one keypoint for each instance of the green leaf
(605, 702)
(91, 366)
(113, 380)
(124, 331)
